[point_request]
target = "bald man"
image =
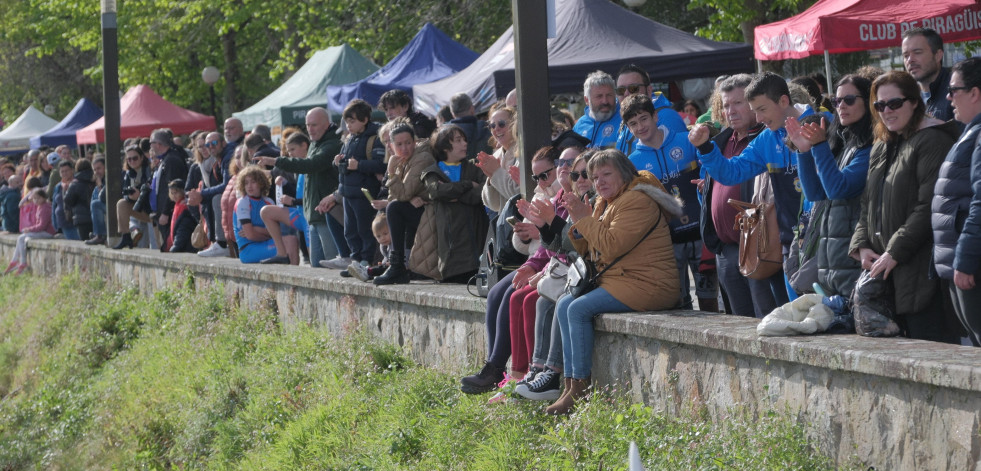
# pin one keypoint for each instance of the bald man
(326, 233)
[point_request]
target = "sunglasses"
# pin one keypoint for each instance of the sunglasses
(564, 162)
(847, 99)
(498, 124)
(575, 176)
(893, 104)
(542, 176)
(211, 144)
(630, 88)
(952, 90)
(133, 158)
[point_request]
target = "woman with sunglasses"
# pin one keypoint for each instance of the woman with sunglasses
(626, 231)
(502, 181)
(498, 316)
(893, 238)
(535, 338)
(136, 174)
(833, 164)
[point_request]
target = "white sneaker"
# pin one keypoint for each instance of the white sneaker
(359, 271)
(214, 250)
(337, 263)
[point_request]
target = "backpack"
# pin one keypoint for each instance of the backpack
(499, 257)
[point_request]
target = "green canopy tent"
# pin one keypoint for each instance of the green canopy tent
(307, 88)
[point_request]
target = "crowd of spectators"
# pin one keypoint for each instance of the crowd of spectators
(881, 174)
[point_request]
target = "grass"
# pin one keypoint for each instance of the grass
(99, 377)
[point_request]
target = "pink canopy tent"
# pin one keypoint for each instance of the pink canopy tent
(142, 111)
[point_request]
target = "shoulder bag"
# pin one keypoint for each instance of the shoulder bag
(583, 278)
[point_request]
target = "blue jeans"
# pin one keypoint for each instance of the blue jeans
(321, 244)
(575, 317)
(548, 337)
(98, 209)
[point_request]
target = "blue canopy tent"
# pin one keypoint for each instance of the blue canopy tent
(84, 114)
(430, 55)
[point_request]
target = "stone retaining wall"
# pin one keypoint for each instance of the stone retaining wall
(887, 403)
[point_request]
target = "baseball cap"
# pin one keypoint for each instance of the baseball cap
(53, 159)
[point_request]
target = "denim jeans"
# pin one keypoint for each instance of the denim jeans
(98, 209)
(321, 244)
(548, 338)
(575, 317)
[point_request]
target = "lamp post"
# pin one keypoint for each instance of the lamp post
(210, 75)
(110, 103)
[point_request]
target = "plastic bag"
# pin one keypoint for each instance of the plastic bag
(874, 307)
(804, 315)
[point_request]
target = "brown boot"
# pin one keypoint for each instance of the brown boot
(576, 390)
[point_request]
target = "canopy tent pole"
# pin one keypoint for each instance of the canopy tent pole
(827, 72)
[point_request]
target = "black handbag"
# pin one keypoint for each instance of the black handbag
(582, 276)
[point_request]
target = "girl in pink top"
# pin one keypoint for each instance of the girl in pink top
(40, 229)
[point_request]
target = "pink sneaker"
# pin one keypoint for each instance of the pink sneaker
(10, 268)
(21, 268)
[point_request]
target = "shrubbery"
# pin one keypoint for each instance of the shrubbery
(99, 377)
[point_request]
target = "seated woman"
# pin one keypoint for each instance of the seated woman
(287, 223)
(531, 327)
(498, 317)
(449, 238)
(136, 173)
(254, 243)
(405, 198)
(627, 232)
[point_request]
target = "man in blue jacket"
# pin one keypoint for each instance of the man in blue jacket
(601, 123)
(769, 98)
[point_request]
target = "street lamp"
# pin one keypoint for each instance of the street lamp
(210, 75)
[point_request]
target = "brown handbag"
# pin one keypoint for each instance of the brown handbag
(760, 252)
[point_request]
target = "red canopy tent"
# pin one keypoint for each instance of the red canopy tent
(142, 111)
(838, 26)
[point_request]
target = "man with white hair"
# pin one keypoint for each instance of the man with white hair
(476, 131)
(601, 122)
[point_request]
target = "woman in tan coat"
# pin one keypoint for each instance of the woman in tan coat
(628, 205)
(405, 195)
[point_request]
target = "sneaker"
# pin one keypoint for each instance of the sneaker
(358, 271)
(482, 382)
(545, 387)
(337, 263)
(214, 251)
(530, 375)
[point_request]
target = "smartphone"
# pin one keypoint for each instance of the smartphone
(512, 220)
(367, 194)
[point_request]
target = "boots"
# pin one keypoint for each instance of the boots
(396, 274)
(576, 390)
(126, 241)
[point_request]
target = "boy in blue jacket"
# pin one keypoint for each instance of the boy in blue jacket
(361, 164)
(673, 159)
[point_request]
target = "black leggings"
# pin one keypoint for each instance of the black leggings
(403, 221)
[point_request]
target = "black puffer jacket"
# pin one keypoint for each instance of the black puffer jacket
(78, 197)
(952, 198)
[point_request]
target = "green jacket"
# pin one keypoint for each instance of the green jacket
(320, 170)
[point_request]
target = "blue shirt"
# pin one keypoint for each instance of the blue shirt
(247, 212)
(452, 171)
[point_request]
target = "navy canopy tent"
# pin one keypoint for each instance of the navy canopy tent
(84, 114)
(431, 55)
(591, 35)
